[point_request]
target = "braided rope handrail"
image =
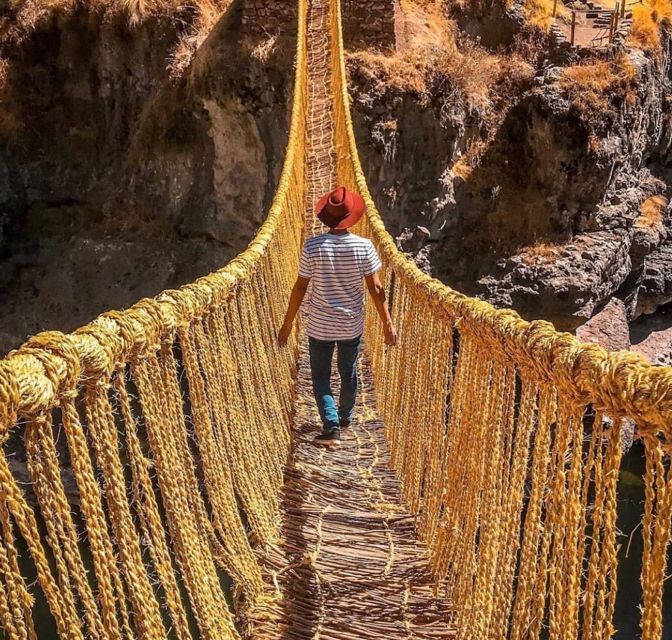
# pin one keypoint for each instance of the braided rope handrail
(158, 410)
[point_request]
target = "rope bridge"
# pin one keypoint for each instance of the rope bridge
(183, 427)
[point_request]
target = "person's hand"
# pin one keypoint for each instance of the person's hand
(284, 333)
(390, 335)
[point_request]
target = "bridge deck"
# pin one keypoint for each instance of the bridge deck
(349, 565)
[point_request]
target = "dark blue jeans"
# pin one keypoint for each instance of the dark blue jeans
(321, 355)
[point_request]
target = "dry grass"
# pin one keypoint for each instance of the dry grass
(462, 168)
(647, 21)
(4, 69)
(208, 13)
(539, 253)
(468, 161)
(265, 49)
(194, 19)
(598, 77)
(652, 212)
(593, 85)
(433, 59)
(539, 13)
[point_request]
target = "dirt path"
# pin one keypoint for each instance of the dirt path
(590, 31)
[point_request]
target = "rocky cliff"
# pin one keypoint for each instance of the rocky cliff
(564, 203)
(117, 181)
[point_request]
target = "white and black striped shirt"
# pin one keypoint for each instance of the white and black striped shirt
(337, 266)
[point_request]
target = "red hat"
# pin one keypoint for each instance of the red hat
(340, 209)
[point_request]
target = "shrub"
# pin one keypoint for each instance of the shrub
(593, 86)
(644, 32)
(539, 253)
(539, 13)
(652, 212)
(647, 21)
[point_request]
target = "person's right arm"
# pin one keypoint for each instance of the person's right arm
(295, 300)
(297, 295)
(377, 291)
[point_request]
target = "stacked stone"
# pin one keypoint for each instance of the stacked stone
(621, 34)
(270, 17)
(369, 23)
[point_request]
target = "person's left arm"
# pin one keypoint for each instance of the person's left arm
(295, 300)
(377, 291)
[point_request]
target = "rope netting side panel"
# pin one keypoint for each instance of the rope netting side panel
(142, 455)
(506, 436)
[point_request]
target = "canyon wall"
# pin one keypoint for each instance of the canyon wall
(117, 181)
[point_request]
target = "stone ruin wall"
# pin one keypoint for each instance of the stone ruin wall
(370, 23)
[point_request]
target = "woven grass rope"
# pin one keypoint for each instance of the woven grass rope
(504, 434)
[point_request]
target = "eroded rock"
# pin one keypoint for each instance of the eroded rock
(569, 285)
(609, 327)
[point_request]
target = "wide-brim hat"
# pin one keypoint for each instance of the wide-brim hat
(340, 209)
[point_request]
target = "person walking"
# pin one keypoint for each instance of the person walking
(338, 263)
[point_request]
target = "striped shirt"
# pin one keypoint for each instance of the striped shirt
(337, 266)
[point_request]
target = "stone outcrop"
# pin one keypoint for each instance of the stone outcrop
(494, 24)
(568, 287)
(609, 327)
(652, 336)
(601, 210)
(656, 282)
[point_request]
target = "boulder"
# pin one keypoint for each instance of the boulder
(565, 284)
(656, 287)
(608, 328)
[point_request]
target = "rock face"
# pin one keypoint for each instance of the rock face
(553, 218)
(494, 24)
(121, 182)
(407, 144)
(371, 23)
(609, 327)
(656, 287)
(595, 194)
(575, 281)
